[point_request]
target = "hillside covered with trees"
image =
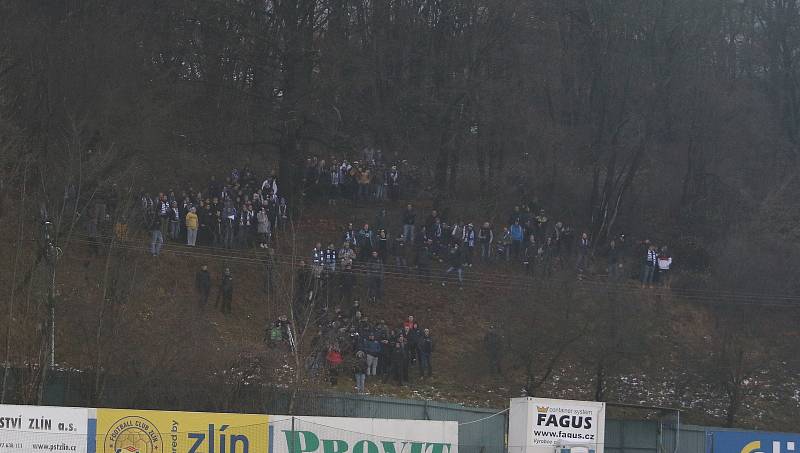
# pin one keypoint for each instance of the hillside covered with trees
(673, 120)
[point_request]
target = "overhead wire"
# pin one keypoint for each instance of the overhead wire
(487, 279)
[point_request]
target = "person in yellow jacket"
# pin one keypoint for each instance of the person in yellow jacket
(191, 227)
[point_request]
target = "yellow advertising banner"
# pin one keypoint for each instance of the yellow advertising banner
(135, 431)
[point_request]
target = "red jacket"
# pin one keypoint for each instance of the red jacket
(334, 358)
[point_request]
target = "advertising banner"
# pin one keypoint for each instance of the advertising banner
(540, 425)
(134, 431)
(361, 435)
(752, 442)
(44, 429)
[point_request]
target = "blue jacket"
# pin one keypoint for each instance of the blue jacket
(372, 347)
(517, 232)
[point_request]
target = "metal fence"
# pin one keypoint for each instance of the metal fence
(480, 430)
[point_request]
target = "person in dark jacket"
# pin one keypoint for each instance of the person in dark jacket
(485, 239)
(399, 360)
(455, 261)
(374, 278)
(156, 237)
(424, 351)
(529, 255)
(203, 284)
(360, 371)
(584, 247)
(372, 348)
(225, 292)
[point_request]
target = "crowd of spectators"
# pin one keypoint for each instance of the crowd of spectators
(348, 342)
(245, 211)
(240, 211)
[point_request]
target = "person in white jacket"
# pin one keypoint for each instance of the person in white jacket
(664, 264)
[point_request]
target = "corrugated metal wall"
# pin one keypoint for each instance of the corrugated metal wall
(631, 437)
(486, 433)
(479, 432)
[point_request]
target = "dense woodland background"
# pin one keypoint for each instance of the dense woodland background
(677, 120)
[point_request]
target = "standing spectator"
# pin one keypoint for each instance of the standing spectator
(584, 247)
(366, 242)
(504, 245)
(437, 234)
(226, 292)
(383, 246)
(360, 369)
(317, 258)
(457, 233)
(424, 258)
(664, 265)
(373, 349)
(350, 235)
(650, 265)
(486, 238)
(399, 360)
(393, 183)
(163, 214)
(469, 244)
(335, 178)
(364, 179)
(264, 228)
(455, 262)
(614, 265)
(347, 255)
(403, 340)
(192, 223)
(517, 237)
(379, 184)
(424, 351)
(215, 225)
(247, 221)
(203, 284)
(374, 278)
(334, 359)
(400, 247)
(530, 254)
(317, 262)
(409, 219)
(330, 259)
(546, 252)
(229, 224)
(156, 238)
(175, 221)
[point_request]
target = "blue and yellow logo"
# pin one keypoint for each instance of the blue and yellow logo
(752, 447)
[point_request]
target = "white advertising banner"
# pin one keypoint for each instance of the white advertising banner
(538, 425)
(360, 435)
(38, 429)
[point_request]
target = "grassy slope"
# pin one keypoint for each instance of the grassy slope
(156, 327)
